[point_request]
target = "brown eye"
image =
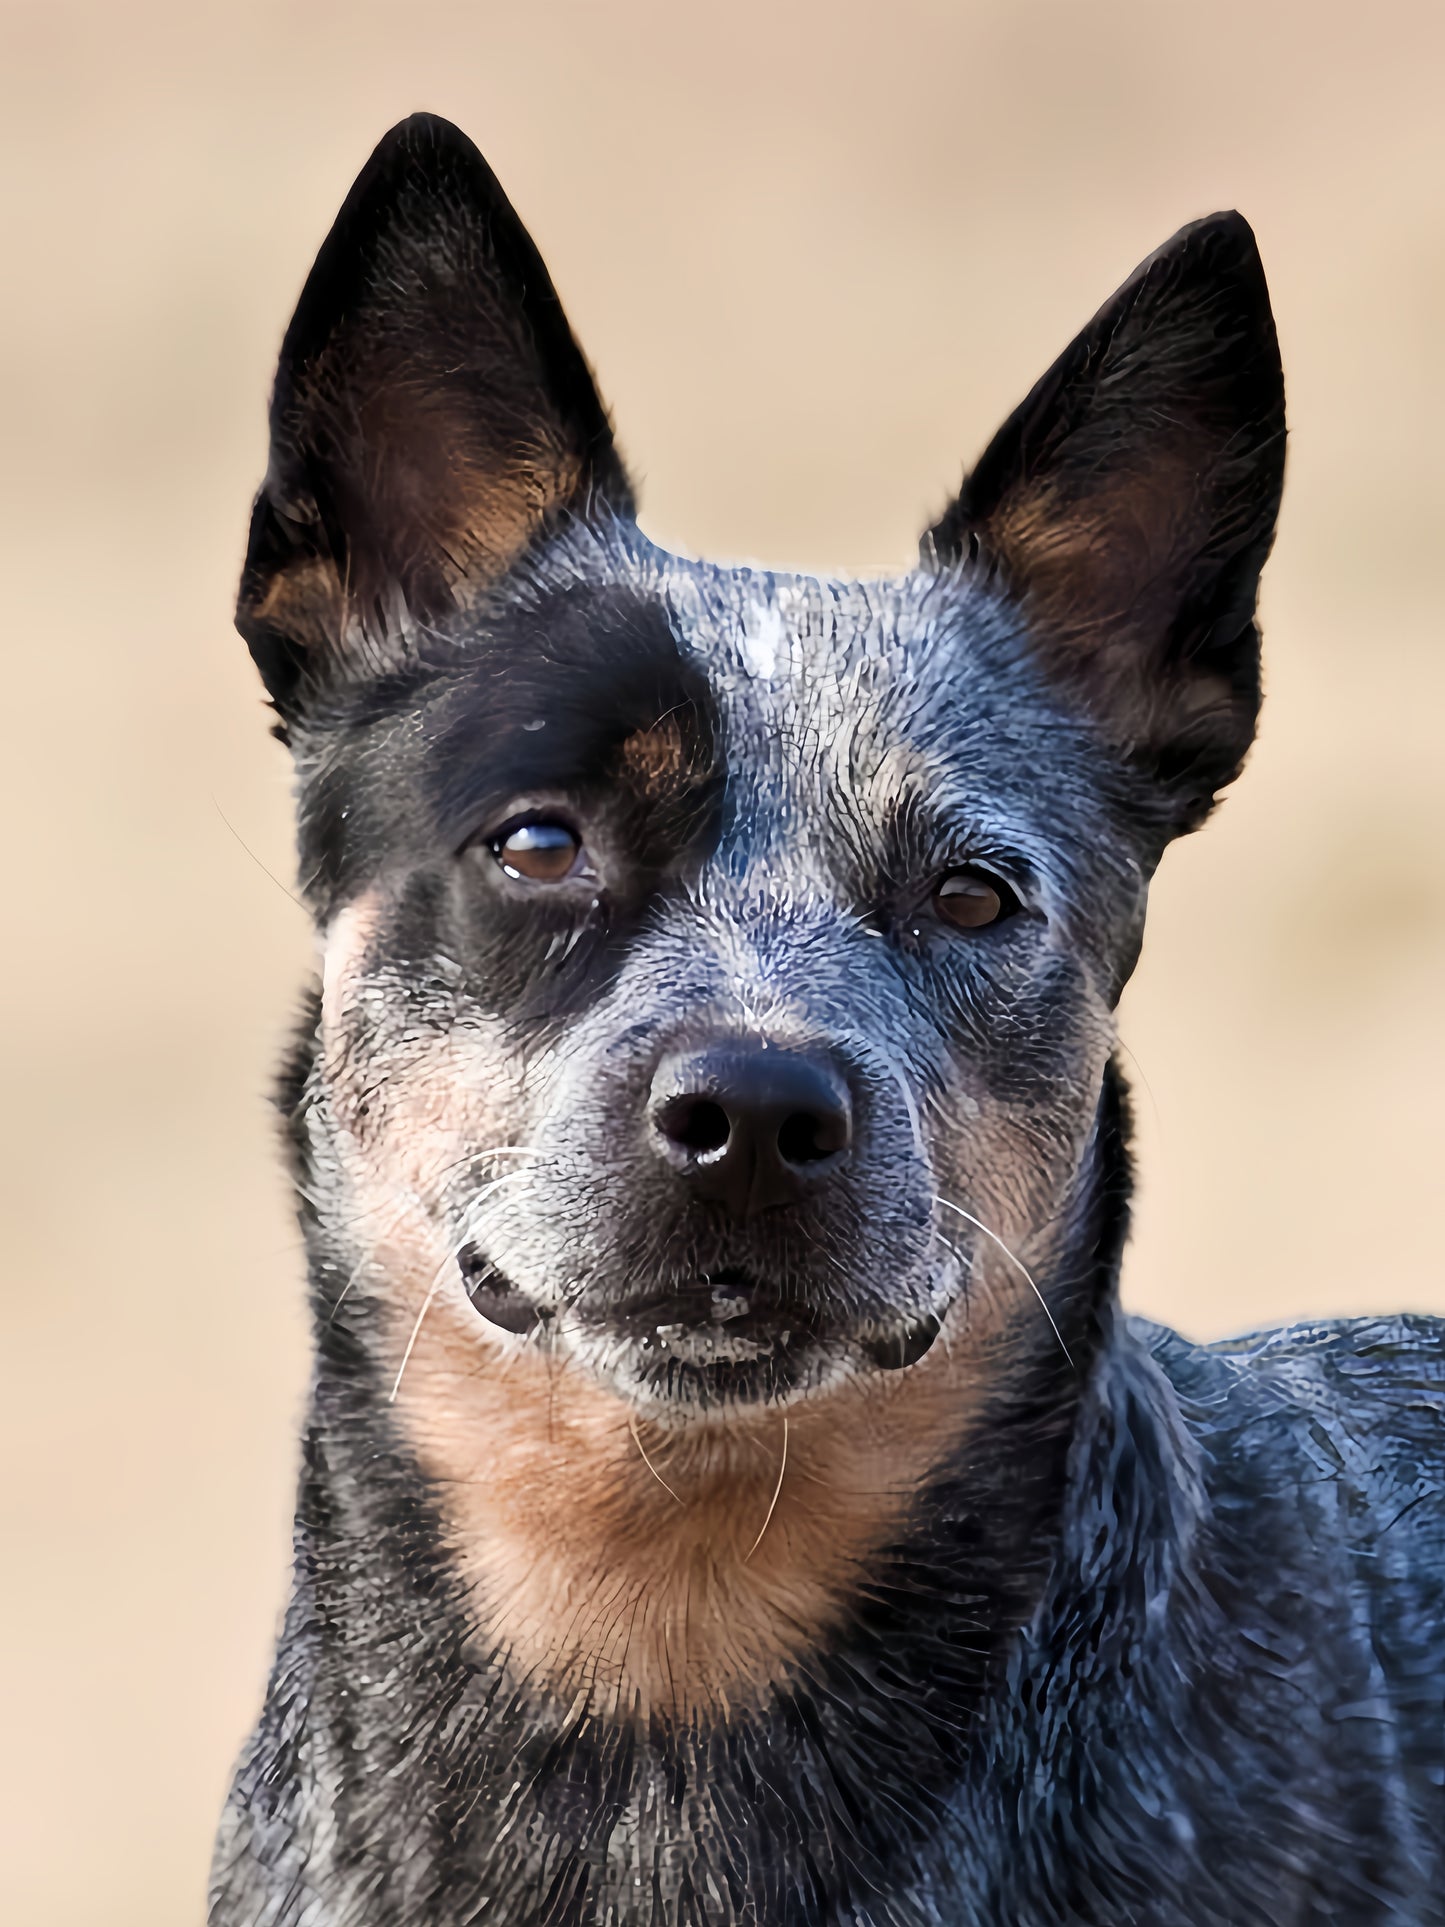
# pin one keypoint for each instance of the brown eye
(539, 852)
(968, 899)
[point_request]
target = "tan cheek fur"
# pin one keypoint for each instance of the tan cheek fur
(606, 1558)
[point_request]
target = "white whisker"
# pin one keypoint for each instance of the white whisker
(777, 1494)
(637, 1441)
(426, 1305)
(414, 1200)
(408, 1201)
(1018, 1264)
(410, 1343)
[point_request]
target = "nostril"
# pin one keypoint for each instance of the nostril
(695, 1124)
(807, 1137)
(749, 1126)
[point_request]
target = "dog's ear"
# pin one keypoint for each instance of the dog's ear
(1130, 502)
(432, 413)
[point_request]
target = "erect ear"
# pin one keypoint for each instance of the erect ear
(1130, 503)
(432, 413)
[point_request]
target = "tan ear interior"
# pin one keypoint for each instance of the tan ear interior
(1103, 570)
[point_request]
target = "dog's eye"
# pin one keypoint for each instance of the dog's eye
(970, 899)
(540, 851)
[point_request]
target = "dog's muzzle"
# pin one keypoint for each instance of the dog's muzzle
(750, 1142)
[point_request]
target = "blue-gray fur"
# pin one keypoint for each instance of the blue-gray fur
(1163, 1642)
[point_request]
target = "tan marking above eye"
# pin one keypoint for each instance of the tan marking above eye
(969, 900)
(539, 852)
(655, 759)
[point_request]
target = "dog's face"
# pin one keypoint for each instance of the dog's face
(723, 959)
(719, 967)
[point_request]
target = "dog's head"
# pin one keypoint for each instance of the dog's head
(720, 967)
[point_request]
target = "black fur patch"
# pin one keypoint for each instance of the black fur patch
(550, 703)
(536, 699)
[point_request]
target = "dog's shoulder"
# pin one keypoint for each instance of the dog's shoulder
(1364, 1398)
(1353, 1410)
(1323, 1450)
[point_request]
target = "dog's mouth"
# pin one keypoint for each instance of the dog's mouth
(726, 1332)
(495, 1297)
(726, 1318)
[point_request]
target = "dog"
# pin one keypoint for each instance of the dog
(731, 1494)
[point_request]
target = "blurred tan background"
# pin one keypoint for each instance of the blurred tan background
(816, 250)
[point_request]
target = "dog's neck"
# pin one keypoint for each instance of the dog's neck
(679, 1572)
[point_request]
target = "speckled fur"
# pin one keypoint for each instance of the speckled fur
(1070, 1621)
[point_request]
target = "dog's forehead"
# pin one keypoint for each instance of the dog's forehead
(796, 642)
(860, 687)
(852, 708)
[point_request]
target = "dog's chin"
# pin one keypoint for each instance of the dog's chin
(727, 1340)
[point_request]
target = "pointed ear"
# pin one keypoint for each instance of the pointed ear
(432, 413)
(1130, 502)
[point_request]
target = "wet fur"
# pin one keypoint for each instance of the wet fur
(1068, 1621)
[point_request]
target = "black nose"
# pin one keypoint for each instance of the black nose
(749, 1125)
